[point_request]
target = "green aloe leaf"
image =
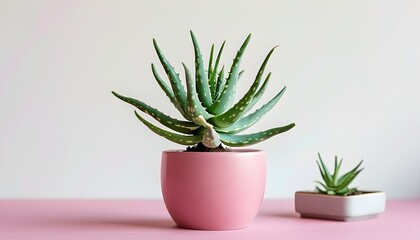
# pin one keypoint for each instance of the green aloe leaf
(210, 68)
(329, 179)
(213, 78)
(342, 191)
(167, 121)
(323, 174)
(178, 89)
(240, 108)
(337, 166)
(348, 179)
(202, 85)
(169, 93)
(251, 119)
(325, 186)
(341, 179)
(194, 107)
(248, 121)
(240, 74)
(226, 98)
(233, 140)
(259, 93)
(320, 191)
(340, 186)
(210, 73)
(174, 137)
(221, 81)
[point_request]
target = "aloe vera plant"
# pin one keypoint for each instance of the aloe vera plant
(333, 183)
(207, 103)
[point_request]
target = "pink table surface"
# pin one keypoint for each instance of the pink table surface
(148, 219)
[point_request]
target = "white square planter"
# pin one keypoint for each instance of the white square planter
(341, 208)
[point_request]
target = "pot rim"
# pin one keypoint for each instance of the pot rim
(364, 193)
(231, 151)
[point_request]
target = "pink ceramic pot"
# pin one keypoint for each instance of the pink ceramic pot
(213, 190)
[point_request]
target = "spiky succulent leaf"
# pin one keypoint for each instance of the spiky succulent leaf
(205, 101)
(327, 188)
(349, 173)
(251, 119)
(345, 182)
(173, 137)
(336, 169)
(194, 107)
(213, 77)
(177, 87)
(324, 177)
(239, 109)
(212, 81)
(259, 93)
(240, 74)
(342, 191)
(233, 140)
(202, 84)
(210, 68)
(167, 121)
(329, 179)
(169, 92)
(221, 81)
(226, 98)
(246, 122)
(231, 116)
(320, 190)
(163, 85)
(335, 186)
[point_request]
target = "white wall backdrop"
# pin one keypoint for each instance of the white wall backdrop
(352, 69)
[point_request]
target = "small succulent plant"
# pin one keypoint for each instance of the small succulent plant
(334, 184)
(207, 104)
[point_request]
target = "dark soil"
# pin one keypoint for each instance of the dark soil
(199, 147)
